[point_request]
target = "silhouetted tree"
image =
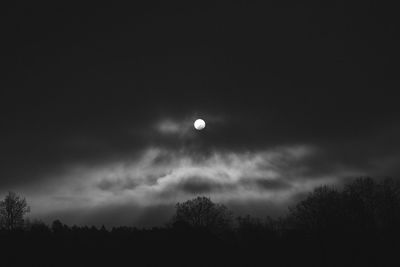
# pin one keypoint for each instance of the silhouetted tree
(12, 211)
(389, 203)
(37, 226)
(202, 213)
(103, 229)
(321, 210)
(58, 227)
(373, 204)
(363, 205)
(248, 223)
(250, 229)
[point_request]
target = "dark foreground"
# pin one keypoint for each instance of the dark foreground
(163, 247)
(356, 226)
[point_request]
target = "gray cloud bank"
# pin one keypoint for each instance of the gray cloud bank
(161, 177)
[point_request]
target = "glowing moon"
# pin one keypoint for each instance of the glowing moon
(199, 124)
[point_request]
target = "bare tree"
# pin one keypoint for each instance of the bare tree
(376, 203)
(364, 203)
(12, 211)
(202, 213)
(322, 209)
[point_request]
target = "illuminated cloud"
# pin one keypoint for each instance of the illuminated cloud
(183, 127)
(180, 128)
(163, 177)
(169, 127)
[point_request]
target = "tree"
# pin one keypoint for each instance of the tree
(37, 227)
(362, 205)
(202, 213)
(375, 204)
(321, 210)
(251, 229)
(12, 211)
(58, 227)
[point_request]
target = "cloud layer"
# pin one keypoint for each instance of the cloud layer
(162, 177)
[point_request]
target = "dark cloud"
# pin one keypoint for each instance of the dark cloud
(267, 184)
(112, 185)
(198, 186)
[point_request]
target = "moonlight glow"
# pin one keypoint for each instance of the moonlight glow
(199, 124)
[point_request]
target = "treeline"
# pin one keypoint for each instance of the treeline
(358, 225)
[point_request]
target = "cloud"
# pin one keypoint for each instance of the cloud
(198, 185)
(183, 127)
(176, 127)
(170, 127)
(267, 184)
(161, 176)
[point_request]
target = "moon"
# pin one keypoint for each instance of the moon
(199, 124)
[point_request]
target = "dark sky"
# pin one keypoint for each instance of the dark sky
(97, 104)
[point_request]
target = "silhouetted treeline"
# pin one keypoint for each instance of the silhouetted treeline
(358, 225)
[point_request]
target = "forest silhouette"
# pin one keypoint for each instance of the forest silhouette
(357, 225)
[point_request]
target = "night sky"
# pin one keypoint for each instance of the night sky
(97, 105)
